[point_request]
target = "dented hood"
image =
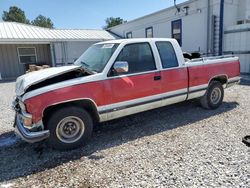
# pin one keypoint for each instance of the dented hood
(25, 81)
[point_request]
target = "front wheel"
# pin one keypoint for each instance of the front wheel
(213, 96)
(70, 127)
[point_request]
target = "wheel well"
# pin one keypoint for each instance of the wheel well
(221, 79)
(88, 105)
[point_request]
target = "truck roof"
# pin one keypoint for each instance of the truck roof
(134, 40)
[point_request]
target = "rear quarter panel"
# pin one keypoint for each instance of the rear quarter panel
(202, 74)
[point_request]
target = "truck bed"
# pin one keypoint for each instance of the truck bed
(202, 70)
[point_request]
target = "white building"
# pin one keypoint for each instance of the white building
(207, 26)
(21, 45)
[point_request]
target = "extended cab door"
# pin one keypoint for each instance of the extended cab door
(174, 74)
(137, 89)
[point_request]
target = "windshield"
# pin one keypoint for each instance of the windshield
(96, 57)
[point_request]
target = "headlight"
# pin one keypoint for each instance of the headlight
(27, 122)
(22, 105)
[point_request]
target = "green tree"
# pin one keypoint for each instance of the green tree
(42, 21)
(15, 14)
(111, 22)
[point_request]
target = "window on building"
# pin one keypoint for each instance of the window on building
(129, 35)
(177, 31)
(149, 32)
(27, 55)
(167, 54)
(139, 57)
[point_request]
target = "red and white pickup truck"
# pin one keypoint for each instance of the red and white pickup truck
(114, 79)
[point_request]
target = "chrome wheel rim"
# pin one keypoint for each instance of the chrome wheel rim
(215, 95)
(70, 129)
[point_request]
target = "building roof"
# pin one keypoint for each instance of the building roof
(18, 32)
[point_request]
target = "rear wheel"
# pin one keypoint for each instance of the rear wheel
(213, 96)
(70, 127)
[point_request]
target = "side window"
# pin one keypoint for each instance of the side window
(27, 55)
(149, 32)
(129, 35)
(167, 54)
(177, 31)
(139, 57)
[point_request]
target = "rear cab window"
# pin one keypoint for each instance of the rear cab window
(167, 54)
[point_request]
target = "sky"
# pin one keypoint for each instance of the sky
(86, 14)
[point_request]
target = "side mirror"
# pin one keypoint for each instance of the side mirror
(121, 66)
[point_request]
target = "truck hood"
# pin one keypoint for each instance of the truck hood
(25, 81)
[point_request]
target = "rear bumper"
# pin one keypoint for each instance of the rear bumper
(27, 135)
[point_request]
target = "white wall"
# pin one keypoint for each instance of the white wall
(194, 32)
(194, 25)
(244, 6)
(231, 10)
(68, 52)
(239, 42)
(75, 49)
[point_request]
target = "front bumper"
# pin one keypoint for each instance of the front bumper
(25, 133)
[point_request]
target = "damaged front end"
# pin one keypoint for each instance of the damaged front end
(23, 124)
(45, 77)
(25, 127)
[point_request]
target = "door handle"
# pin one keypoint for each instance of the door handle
(157, 78)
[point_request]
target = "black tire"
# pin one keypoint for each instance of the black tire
(64, 123)
(208, 101)
(246, 140)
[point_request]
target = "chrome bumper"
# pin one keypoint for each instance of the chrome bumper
(27, 135)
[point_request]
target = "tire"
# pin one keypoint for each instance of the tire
(246, 140)
(70, 128)
(213, 97)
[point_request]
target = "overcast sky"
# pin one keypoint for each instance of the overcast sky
(88, 14)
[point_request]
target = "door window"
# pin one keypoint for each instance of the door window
(139, 57)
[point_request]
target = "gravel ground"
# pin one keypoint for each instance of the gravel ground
(181, 145)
